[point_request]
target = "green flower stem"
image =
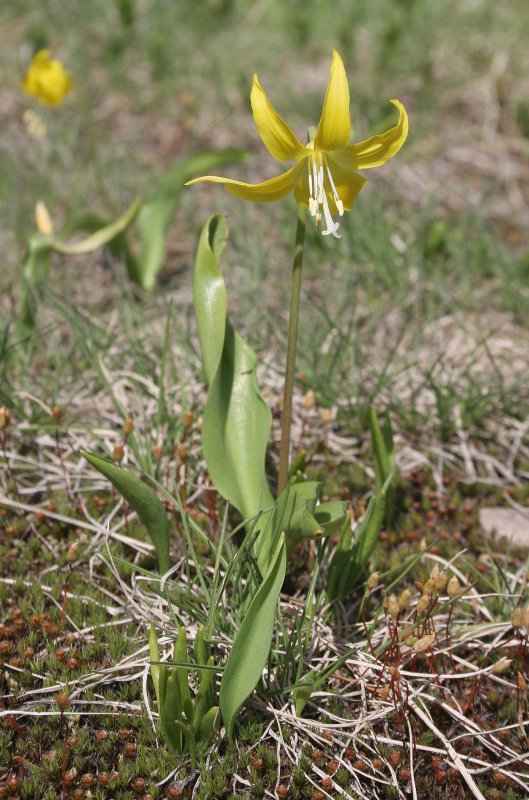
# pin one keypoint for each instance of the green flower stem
(293, 323)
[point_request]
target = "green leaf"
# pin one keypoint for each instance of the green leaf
(180, 656)
(143, 499)
(34, 270)
(208, 725)
(154, 656)
(252, 642)
(298, 515)
(236, 422)
(158, 211)
(384, 458)
(171, 711)
(101, 237)
(303, 691)
(350, 561)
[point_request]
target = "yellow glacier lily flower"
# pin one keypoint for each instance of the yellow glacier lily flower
(46, 79)
(323, 176)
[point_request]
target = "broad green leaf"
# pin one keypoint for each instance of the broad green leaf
(158, 211)
(236, 422)
(252, 642)
(298, 515)
(143, 500)
(101, 237)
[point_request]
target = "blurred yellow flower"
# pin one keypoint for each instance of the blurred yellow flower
(46, 79)
(323, 176)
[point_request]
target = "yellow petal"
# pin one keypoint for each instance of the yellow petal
(334, 129)
(378, 149)
(266, 192)
(348, 184)
(278, 138)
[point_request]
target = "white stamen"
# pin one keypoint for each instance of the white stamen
(339, 204)
(318, 198)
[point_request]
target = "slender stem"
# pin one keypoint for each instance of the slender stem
(293, 322)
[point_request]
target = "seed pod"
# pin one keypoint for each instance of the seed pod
(187, 419)
(434, 574)
(404, 599)
(128, 426)
(521, 683)
(441, 582)
(118, 453)
(326, 416)
(423, 603)
(517, 618)
(5, 418)
(501, 666)
(181, 451)
(372, 581)
(526, 618)
(425, 643)
(157, 453)
(454, 587)
(63, 701)
(56, 414)
(309, 401)
(393, 606)
(429, 586)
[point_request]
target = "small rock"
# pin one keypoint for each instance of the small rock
(507, 523)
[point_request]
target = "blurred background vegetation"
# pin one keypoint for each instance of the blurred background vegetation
(438, 232)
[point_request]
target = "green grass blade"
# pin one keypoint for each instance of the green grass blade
(252, 643)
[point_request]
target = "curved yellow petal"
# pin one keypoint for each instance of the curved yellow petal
(378, 149)
(266, 192)
(334, 129)
(278, 138)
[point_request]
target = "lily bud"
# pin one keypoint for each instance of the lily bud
(43, 219)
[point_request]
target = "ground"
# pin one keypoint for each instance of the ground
(420, 310)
